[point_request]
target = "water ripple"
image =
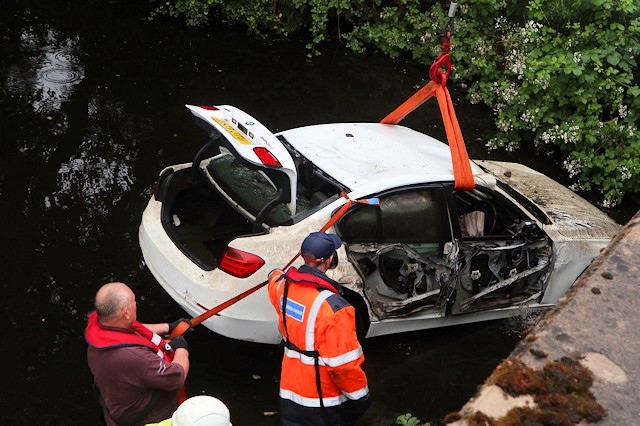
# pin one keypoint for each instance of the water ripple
(59, 75)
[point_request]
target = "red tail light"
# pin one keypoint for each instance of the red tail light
(208, 107)
(239, 263)
(267, 158)
(155, 189)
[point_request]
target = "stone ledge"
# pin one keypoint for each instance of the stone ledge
(597, 323)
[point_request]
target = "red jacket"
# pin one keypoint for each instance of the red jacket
(133, 372)
(319, 323)
(101, 337)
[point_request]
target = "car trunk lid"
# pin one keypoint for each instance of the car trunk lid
(250, 141)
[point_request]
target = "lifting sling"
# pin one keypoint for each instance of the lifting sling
(184, 326)
(438, 72)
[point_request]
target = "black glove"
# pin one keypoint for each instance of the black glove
(351, 409)
(179, 342)
(174, 324)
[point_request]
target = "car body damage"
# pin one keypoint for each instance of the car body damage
(572, 216)
(504, 262)
(425, 255)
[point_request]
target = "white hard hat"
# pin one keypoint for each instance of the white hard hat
(201, 410)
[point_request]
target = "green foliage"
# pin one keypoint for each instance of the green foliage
(318, 18)
(559, 74)
(569, 89)
(409, 420)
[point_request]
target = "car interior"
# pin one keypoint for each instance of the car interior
(435, 249)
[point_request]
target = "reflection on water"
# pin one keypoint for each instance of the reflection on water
(57, 73)
(50, 69)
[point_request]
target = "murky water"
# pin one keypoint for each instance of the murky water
(92, 104)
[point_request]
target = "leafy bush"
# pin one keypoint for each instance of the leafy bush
(565, 82)
(409, 420)
(558, 74)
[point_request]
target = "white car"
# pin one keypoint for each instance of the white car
(426, 255)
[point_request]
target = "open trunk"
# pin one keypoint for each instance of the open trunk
(198, 220)
(242, 182)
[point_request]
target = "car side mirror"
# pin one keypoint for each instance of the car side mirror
(334, 260)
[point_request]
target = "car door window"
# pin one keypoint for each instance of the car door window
(410, 217)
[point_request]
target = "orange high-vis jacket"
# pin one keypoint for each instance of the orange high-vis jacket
(318, 328)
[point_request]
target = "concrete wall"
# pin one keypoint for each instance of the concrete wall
(596, 325)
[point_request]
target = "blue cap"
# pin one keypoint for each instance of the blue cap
(319, 246)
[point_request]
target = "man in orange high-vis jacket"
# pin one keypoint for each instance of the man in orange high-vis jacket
(322, 381)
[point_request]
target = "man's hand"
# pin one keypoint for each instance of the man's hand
(179, 342)
(174, 324)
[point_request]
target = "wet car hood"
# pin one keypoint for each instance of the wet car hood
(571, 216)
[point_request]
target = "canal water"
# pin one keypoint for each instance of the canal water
(92, 102)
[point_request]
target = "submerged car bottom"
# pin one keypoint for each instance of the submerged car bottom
(479, 255)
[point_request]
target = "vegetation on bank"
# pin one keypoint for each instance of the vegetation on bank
(559, 74)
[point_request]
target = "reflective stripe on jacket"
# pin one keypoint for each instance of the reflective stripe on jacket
(320, 324)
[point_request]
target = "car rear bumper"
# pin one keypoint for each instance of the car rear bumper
(196, 290)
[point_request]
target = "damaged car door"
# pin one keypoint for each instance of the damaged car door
(402, 250)
(434, 250)
(503, 257)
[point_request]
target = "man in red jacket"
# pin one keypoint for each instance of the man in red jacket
(322, 381)
(137, 374)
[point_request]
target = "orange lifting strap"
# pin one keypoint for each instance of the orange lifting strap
(182, 327)
(462, 174)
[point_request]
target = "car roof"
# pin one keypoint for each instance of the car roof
(366, 158)
(373, 157)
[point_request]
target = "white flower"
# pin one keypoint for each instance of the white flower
(576, 187)
(572, 166)
(625, 174)
(608, 203)
(492, 144)
(503, 125)
(577, 57)
(622, 111)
